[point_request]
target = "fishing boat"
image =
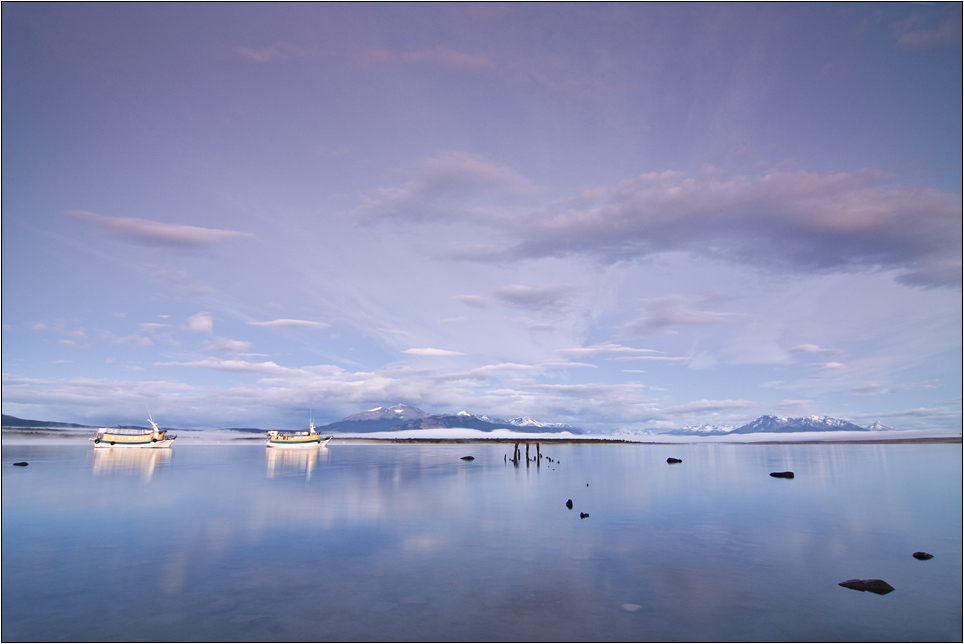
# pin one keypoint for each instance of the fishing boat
(154, 437)
(284, 439)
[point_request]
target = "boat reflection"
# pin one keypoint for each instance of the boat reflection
(130, 461)
(283, 462)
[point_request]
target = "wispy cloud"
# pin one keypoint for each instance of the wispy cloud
(541, 297)
(706, 406)
(813, 348)
(428, 351)
(201, 322)
(920, 31)
(226, 345)
(267, 54)
(607, 348)
(60, 328)
(895, 388)
(158, 233)
(662, 313)
(558, 73)
(450, 186)
(288, 323)
(436, 55)
(267, 368)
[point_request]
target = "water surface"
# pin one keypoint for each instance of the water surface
(385, 542)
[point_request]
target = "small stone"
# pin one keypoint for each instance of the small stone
(674, 460)
(468, 458)
(923, 556)
(632, 608)
(21, 464)
(583, 515)
(569, 505)
(782, 475)
(876, 586)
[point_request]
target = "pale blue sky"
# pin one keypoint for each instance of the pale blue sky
(619, 216)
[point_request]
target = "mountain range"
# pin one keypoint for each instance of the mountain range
(13, 421)
(777, 425)
(401, 417)
(404, 417)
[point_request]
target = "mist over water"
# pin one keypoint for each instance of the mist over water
(395, 542)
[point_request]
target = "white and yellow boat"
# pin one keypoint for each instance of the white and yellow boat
(283, 439)
(154, 437)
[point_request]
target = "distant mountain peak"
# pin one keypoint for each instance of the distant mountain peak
(703, 430)
(527, 421)
(782, 425)
(399, 412)
(772, 424)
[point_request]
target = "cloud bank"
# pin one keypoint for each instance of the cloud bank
(793, 220)
(788, 220)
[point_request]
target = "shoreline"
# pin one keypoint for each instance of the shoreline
(198, 437)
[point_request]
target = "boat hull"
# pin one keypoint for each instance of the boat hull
(297, 444)
(106, 443)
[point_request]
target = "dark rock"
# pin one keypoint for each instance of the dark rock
(674, 460)
(22, 464)
(923, 556)
(876, 586)
(468, 458)
(583, 515)
(782, 475)
(569, 504)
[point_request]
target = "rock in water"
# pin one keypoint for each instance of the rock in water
(876, 586)
(21, 464)
(569, 504)
(782, 475)
(583, 515)
(468, 458)
(674, 460)
(923, 556)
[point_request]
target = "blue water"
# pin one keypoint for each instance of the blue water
(386, 542)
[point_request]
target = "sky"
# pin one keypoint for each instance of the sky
(625, 217)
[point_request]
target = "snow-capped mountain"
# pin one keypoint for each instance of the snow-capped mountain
(398, 412)
(403, 417)
(879, 427)
(376, 420)
(780, 425)
(526, 421)
(702, 430)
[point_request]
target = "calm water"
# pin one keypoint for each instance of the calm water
(408, 542)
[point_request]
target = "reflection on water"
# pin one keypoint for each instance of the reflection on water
(409, 542)
(289, 462)
(130, 461)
